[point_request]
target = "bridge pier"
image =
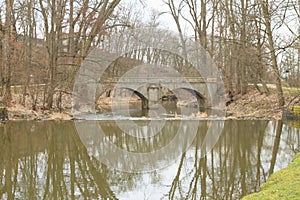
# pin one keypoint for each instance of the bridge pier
(201, 104)
(145, 104)
(153, 92)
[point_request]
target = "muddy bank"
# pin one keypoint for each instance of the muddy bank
(22, 109)
(19, 112)
(254, 105)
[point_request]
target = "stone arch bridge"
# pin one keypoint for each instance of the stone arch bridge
(155, 90)
(154, 79)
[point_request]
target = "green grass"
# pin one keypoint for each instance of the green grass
(16, 89)
(291, 90)
(285, 88)
(284, 184)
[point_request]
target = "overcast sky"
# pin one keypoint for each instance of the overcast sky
(166, 21)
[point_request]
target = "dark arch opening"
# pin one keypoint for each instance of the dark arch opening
(195, 93)
(200, 98)
(135, 92)
(140, 95)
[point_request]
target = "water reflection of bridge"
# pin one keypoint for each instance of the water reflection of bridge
(48, 160)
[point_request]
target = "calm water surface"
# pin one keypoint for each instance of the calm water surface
(50, 160)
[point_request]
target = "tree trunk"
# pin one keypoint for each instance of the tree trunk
(244, 83)
(6, 74)
(203, 32)
(175, 14)
(3, 112)
(267, 18)
(260, 69)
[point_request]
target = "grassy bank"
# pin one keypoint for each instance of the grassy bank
(284, 184)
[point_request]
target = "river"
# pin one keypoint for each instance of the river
(141, 159)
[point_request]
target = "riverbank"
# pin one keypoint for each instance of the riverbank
(252, 105)
(19, 112)
(24, 111)
(284, 184)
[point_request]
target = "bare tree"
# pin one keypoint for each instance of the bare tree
(88, 18)
(7, 45)
(267, 19)
(176, 13)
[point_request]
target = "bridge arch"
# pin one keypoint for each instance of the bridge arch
(137, 74)
(200, 98)
(140, 94)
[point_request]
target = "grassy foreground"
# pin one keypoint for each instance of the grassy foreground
(284, 184)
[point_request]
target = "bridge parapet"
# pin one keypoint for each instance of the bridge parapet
(168, 80)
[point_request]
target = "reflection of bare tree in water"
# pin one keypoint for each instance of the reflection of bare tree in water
(232, 169)
(276, 146)
(199, 171)
(48, 161)
(259, 168)
(290, 128)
